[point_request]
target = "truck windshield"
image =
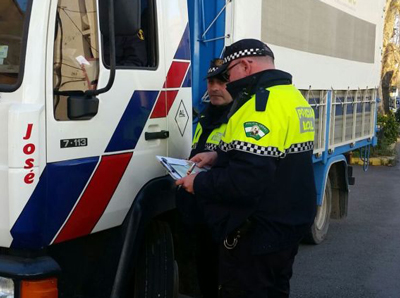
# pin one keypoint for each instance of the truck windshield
(13, 14)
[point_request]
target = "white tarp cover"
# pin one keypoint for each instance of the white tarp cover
(323, 43)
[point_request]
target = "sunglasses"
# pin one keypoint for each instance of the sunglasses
(226, 73)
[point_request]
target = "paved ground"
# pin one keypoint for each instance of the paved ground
(361, 257)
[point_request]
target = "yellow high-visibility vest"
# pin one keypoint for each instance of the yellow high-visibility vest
(286, 126)
(213, 139)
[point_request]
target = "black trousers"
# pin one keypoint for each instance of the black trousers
(244, 275)
(207, 262)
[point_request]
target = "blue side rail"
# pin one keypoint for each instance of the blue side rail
(345, 121)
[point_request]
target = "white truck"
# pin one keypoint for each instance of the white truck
(92, 90)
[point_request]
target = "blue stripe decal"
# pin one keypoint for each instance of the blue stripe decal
(188, 80)
(133, 121)
(59, 188)
(183, 51)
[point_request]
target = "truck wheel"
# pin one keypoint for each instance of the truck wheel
(156, 270)
(320, 227)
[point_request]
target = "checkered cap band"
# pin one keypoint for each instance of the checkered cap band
(266, 151)
(245, 53)
(212, 69)
(300, 147)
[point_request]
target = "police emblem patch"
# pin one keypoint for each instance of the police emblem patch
(255, 130)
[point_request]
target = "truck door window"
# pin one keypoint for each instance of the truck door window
(137, 50)
(13, 16)
(76, 51)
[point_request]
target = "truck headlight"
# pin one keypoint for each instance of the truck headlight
(6, 288)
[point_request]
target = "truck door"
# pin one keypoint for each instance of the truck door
(102, 156)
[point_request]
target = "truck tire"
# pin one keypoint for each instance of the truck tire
(156, 270)
(319, 229)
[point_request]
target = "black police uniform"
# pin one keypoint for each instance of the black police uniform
(209, 130)
(260, 198)
(206, 249)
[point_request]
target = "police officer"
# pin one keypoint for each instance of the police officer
(207, 136)
(259, 197)
(212, 121)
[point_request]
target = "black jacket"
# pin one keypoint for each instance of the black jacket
(212, 117)
(277, 194)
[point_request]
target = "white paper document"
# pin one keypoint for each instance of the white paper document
(178, 168)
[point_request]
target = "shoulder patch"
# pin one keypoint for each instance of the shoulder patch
(255, 130)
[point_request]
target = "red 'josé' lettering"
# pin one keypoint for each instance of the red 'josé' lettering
(28, 132)
(29, 163)
(29, 178)
(28, 150)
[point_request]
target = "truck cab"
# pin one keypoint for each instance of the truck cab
(88, 98)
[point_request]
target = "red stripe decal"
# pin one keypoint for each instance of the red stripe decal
(175, 77)
(96, 197)
(164, 103)
(176, 74)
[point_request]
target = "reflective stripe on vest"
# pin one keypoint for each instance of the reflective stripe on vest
(286, 126)
(213, 139)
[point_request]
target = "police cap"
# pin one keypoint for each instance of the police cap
(217, 67)
(245, 48)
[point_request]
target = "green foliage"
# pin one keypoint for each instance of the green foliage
(389, 128)
(387, 135)
(383, 149)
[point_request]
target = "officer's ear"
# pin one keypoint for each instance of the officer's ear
(247, 66)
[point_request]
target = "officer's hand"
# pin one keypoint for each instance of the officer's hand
(187, 183)
(205, 159)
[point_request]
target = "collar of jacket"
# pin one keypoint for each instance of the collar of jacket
(243, 89)
(214, 116)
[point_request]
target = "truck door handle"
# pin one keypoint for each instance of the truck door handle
(164, 134)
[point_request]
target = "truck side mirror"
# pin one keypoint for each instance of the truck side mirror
(82, 106)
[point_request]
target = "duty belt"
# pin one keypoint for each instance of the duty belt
(232, 239)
